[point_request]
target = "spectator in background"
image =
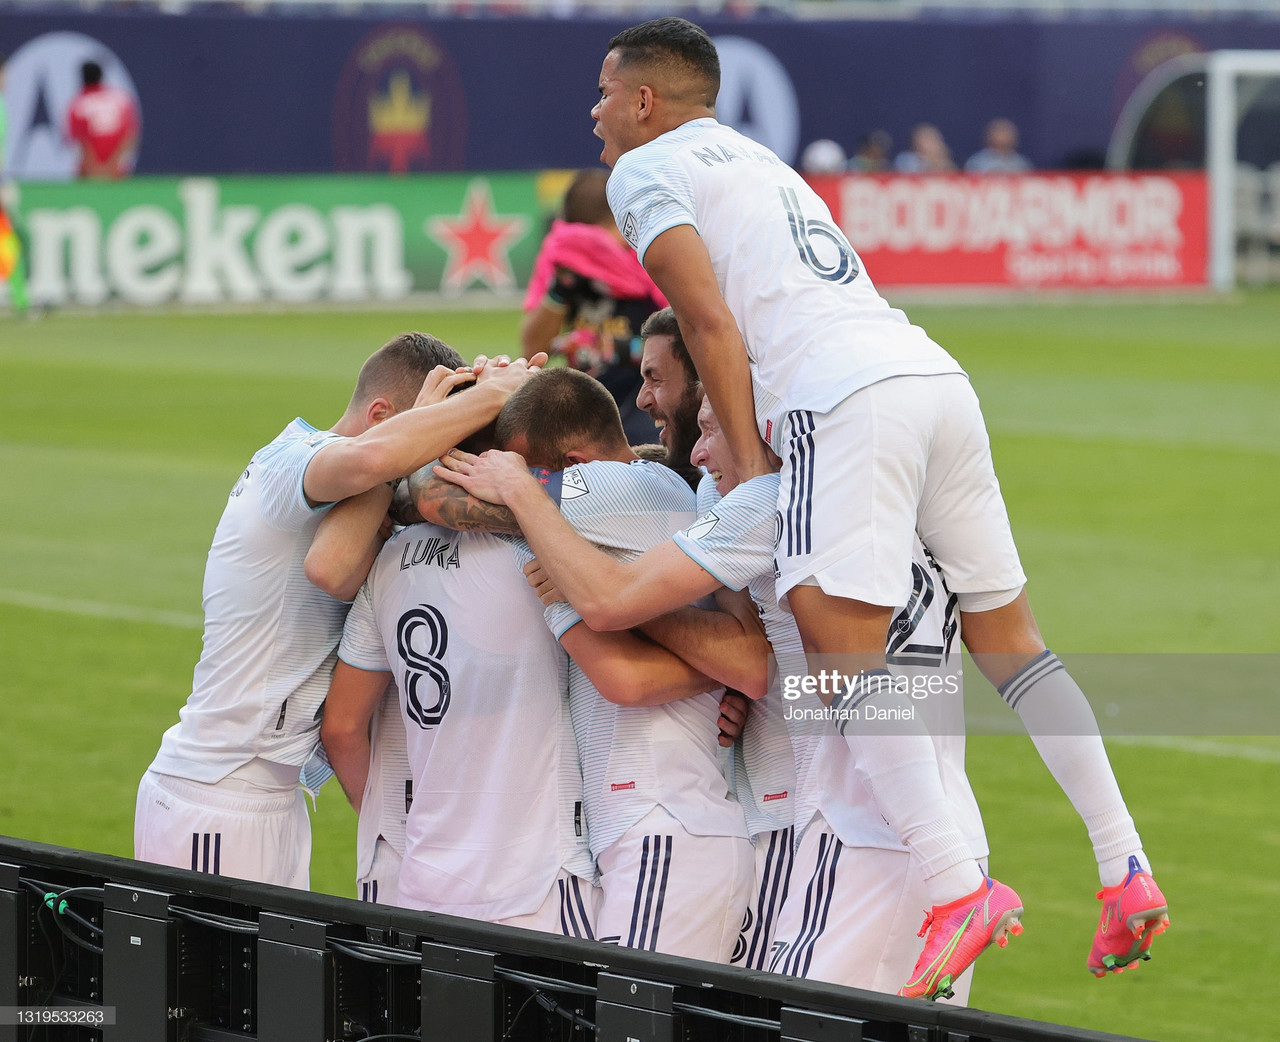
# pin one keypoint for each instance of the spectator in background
(103, 122)
(928, 154)
(823, 156)
(12, 269)
(872, 154)
(1001, 154)
(588, 297)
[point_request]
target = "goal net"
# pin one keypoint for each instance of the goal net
(1219, 111)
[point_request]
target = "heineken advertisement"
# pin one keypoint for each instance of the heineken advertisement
(202, 240)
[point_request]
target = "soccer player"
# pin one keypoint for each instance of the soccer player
(847, 919)
(382, 815)
(222, 794)
(669, 838)
(881, 437)
(670, 392)
(495, 829)
(729, 644)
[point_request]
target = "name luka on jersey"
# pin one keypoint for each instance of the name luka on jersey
(430, 551)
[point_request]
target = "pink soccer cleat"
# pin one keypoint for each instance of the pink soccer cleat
(1133, 912)
(958, 933)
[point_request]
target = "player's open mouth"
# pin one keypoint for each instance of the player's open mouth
(662, 428)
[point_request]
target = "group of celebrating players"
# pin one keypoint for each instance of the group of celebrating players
(526, 699)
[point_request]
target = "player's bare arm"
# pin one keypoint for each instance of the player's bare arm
(630, 670)
(727, 644)
(678, 262)
(609, 594)
(353, 698)
(401, 443)
(347, 543)
(442, 502)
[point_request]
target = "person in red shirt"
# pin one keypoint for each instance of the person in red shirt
(103, 122)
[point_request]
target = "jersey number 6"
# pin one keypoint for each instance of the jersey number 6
(841, 269)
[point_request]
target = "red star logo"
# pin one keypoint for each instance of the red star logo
(478, 242)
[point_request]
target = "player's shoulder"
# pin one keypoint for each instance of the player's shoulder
(664, 147)
(744, 508)
(708, 493)
(751, 501)
(298, 435)
(637, 479)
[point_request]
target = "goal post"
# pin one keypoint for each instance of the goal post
(1233, 82)
(1223, 73)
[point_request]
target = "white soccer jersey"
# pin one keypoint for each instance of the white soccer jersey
(269, 636)
(497, 792)
(388, 792)
(636, 758)
(733, 540)
(815, 327)
(736, 536)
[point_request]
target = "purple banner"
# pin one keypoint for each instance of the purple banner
(228, 92)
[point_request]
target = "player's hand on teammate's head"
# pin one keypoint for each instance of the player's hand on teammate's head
(440, 383)
(733, 717)
(504, 374)
(458, 460)
(548, 592)
(482, 362)
(490, 476)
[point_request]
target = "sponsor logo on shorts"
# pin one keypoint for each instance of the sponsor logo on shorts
(770, 796)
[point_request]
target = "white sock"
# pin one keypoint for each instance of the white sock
(901, 770)
(1061, 723)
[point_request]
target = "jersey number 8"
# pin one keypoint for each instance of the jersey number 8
(422, 638)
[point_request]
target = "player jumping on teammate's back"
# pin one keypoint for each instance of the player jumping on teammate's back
(880, 433)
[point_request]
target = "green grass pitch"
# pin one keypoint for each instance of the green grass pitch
(1138, 444)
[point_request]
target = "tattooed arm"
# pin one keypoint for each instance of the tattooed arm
(425, 497)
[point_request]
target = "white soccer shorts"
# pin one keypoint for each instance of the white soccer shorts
(382, 884)
(905, 455)
(773, 857)
(569, 910)
(852, 915)
(665, 890)
(262, 836)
